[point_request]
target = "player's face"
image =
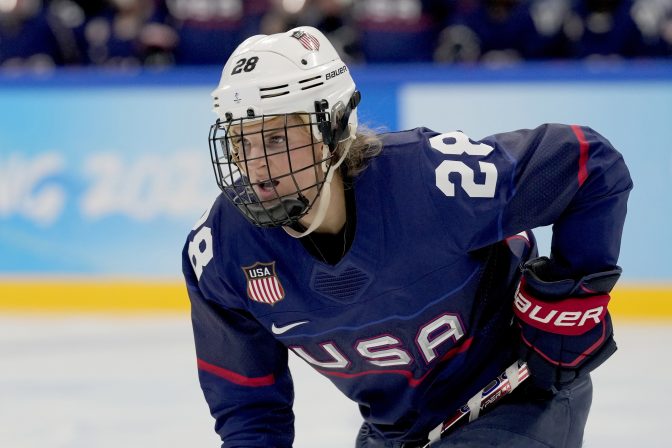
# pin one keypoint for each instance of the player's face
(281, 160)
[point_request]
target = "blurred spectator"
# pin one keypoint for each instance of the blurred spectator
(396, 30)
(607, 28)
(209, 30)
(122, 33)
(334, 19)
(654, 20)
(118, 33)
(30, 36)
(503, 31)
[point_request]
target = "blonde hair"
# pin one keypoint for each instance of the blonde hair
(366, 146)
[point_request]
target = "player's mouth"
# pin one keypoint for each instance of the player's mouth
(266, 190)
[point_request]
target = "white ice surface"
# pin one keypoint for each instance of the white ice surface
(103, 382)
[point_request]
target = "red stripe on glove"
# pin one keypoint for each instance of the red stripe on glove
(572, 316)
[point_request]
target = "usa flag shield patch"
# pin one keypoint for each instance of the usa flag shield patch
(263, 284)
(308, 41)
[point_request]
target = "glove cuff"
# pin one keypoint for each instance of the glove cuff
(571, 316)
(541, 282)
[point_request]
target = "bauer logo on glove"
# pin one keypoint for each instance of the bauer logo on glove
(571, 316)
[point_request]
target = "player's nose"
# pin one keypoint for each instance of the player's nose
(255, 154)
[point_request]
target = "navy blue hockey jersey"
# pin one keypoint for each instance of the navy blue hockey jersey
(416, 317)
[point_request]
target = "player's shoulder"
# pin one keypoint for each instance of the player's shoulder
(426, 144)
(220, 217)
(557, 132)
(220, 224)
(401, 152)
(407, 139)
(211, 236)
(403, 148)
(210, 216)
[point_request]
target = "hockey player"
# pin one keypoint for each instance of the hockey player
(400, 265)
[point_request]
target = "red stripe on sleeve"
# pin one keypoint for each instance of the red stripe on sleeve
(236, 378)
(583, 153)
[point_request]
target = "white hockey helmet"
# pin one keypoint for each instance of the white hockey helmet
(296, 72)
(283, 74)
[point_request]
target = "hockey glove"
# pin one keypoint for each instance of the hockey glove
(565, 327)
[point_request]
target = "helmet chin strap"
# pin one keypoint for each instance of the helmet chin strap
(324, 197)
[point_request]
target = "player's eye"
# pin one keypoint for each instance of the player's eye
(276, 143)
(277, 139)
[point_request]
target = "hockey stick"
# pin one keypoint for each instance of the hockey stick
(498, 388)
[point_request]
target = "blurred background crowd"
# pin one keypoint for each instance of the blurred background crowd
(40, 34)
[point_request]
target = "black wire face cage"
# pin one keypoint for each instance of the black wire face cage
(270, 166)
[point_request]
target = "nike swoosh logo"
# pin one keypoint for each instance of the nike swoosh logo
(286, 328)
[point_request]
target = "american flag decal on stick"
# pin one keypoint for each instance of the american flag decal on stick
(308, 41)
(263, 284)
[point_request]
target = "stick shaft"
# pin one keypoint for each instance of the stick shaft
(489, 395)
